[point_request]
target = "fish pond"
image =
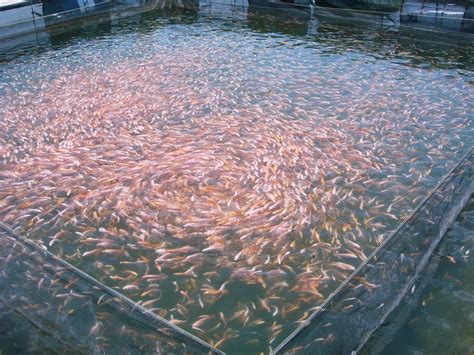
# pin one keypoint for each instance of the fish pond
(228, 170)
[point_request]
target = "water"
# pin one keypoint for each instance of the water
(228, 171)
(442, 323)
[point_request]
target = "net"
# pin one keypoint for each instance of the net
(360, 307)
(60, 309)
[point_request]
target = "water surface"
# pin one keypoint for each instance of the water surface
(228, 172)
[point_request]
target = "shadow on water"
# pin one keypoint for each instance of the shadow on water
(442, 318)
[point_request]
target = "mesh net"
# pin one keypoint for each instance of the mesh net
(60, 309)
(361, 306)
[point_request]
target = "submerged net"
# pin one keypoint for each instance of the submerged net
(354, 313)
(60, 309)
(141, 176)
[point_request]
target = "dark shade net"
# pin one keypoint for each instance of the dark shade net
(361, 306)
(48, 306)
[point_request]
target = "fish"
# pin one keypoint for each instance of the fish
(196, 195)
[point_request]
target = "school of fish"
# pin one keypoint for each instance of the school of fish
(228, 198)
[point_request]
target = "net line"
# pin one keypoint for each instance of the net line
(423, 228)
(93, 309)
(346, 320)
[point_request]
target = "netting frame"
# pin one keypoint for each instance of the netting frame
(148, 315)
(325, 306)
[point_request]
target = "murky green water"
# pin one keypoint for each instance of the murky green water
(443, 321)
(226, 171)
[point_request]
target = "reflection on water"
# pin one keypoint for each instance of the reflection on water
(34, 17)
(226, 171)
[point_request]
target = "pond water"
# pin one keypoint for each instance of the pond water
(227, 172)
